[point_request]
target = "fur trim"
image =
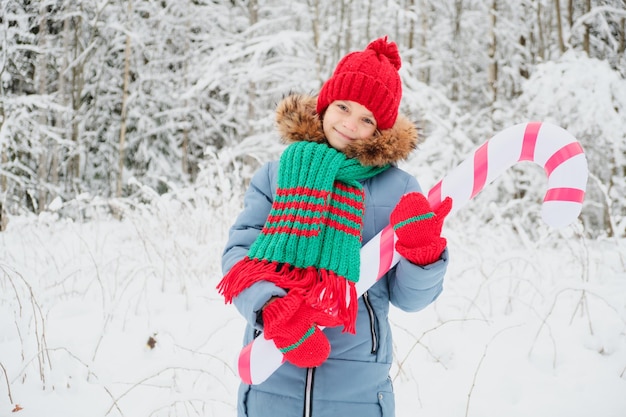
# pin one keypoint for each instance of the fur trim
(297, 121)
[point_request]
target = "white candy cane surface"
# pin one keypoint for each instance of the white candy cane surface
(547, 145)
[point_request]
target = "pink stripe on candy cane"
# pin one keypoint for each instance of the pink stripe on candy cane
(562, 155)
(434, 195)
(481, 165)
(386, 251)
(530, 141)
(565, 194)
(243, 364)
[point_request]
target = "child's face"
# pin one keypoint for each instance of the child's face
(347, 121)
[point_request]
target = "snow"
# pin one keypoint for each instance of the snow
(519, 330)
(532, 322)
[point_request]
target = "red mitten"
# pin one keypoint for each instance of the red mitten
(419, 228)
(290, 322)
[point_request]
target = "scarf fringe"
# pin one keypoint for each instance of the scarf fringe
(332, 295)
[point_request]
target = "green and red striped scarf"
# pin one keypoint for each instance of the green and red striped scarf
(312, 237)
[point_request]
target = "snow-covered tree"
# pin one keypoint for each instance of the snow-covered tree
(97, 96)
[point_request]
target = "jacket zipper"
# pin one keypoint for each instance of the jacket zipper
(308, 392)
(370, 312)
(310, 372)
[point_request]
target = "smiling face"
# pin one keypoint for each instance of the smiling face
(347, 122)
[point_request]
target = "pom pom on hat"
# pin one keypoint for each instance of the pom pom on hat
(370, 78)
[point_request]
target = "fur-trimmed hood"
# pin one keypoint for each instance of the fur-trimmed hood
(297, 121)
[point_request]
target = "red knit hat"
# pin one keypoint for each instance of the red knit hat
(370, 78)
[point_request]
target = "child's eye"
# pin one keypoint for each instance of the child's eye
(342, 107)
(368, 121)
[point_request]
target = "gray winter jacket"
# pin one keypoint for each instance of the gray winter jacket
(354, 380)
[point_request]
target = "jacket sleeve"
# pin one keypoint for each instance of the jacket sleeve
(413, 287)
(257, 205)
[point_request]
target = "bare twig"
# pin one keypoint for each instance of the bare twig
(77, 359)
(418, 341)
(190, 402)
(584, 293)
(6, 377)
(96, 267)
(209, 355)
(38, 320)
(18, 298)
(544, 322)
(480, 362)
(146, 379)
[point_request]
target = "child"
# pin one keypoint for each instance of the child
(292, 256)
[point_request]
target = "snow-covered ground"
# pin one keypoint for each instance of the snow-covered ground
(521, 329)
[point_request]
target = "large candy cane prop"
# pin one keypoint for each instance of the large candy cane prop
(549, 146)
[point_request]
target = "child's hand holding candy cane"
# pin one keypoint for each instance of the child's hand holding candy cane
(418, 228)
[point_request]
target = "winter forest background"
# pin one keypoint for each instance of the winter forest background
(101, 98)
(129, 130)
